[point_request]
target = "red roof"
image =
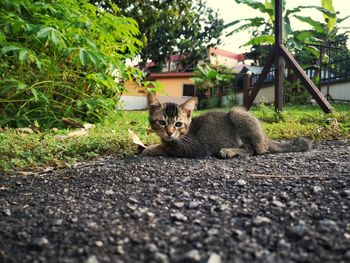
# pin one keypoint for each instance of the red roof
(153, 76)
(224, 53)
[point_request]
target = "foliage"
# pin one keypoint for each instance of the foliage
(295, 93)
(36, 151)
(210, 83)
(183, 27)
(263, 29)
(62, 58)
(207, 77)
(305, 121)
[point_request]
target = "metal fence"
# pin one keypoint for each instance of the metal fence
(333, 72)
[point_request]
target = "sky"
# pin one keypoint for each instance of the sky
(229, 11)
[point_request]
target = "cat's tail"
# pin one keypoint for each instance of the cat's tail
(294, 145)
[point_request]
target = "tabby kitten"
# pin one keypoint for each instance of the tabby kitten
(220, 134)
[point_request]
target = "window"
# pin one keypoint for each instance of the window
(188, 90)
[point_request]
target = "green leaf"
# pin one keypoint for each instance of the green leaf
(232, 23)
(331, 20)
(54, 37)
(23, 54)
(44, 32)
(21, 86)
(90, 56)
(36, 94)
(7, 49)
(256, 5)
(340, 20)
(83, 56)
(321, 9)
(212, 74)
(315, 24)
(303, 35)
(250, 23)
(50, 34)
(2, 37)
(260, 40)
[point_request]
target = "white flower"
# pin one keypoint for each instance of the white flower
(128, 62)
(115, 73)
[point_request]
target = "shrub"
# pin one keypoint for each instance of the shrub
(62, 58)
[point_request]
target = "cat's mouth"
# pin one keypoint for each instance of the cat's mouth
(170, 139)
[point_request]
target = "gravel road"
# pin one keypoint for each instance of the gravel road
(292, 207)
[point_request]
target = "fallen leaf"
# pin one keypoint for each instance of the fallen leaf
(88, 126)
(25, 173)
(136, 139)
(24, 130)
(72, 122)
(81, 132)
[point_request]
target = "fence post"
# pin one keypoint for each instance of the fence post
(246, 89)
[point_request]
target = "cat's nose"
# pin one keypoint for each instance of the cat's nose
(169, 131)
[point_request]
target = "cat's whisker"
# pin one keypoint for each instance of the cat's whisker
(187, 142)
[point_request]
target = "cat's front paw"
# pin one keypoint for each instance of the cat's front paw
(153, 150)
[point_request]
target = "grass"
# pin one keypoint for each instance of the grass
(35, 151)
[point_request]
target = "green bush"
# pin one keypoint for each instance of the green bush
(62, 58)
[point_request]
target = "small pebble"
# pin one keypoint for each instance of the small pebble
(214, 258)
(92, 259)
(120, 250)
(193, 255)
(261, 219)
(278, 203)
(317, 189)
(179, 217)
(41, 242)
(242, 182)
(179, 204)
(327, 225)
(99, 243)
(7, 212)
(109, 192)
(193, 204)
(163, 258)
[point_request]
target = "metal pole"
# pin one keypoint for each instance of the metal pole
(279, 60)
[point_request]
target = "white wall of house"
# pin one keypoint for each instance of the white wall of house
(338, 91)
(133, 102)
(266, 94)
(140, 103)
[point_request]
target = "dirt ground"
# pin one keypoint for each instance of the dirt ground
(292, 207)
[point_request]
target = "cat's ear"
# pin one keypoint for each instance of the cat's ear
(153, 102)
(189, 105)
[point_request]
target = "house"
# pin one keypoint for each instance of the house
(178, 86)
(220, 57)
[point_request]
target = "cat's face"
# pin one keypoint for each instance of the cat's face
(169, 120)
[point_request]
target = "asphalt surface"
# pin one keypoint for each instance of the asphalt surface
(292, 207)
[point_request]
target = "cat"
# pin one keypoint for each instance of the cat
(220, 134)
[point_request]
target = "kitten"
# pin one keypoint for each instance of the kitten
(221, 134)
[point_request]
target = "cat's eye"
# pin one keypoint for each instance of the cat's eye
(178, 124)
(162, 122)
